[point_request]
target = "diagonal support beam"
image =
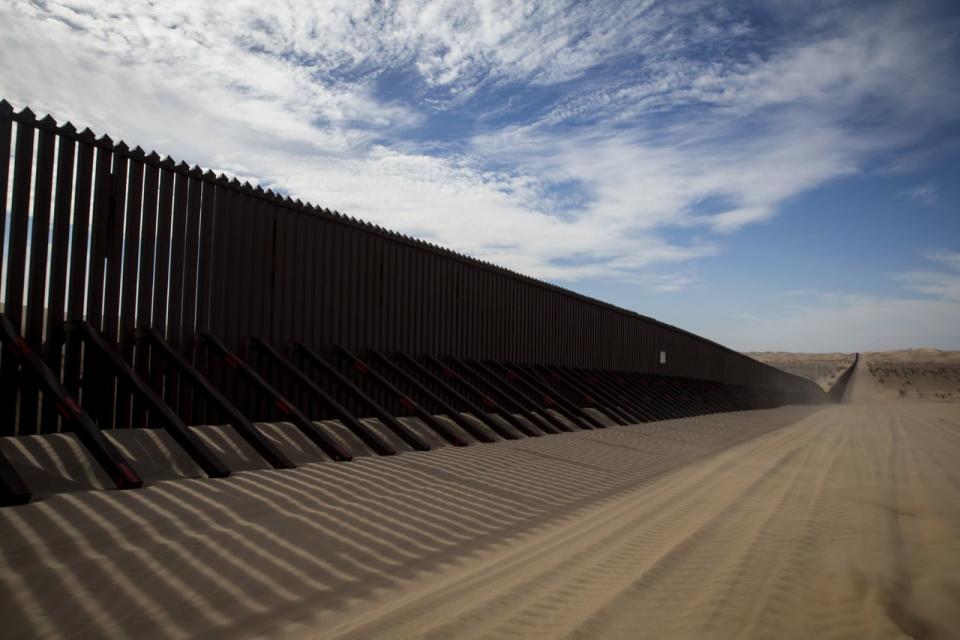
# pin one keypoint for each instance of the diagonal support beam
(547, 398)
(658, 392)
(290, 412)
(593, 396)
(489, 402)
(267, 450)
(510, 405)
(74, 418)
(541, 419)
(607, 389)
(695, 403)
(362, 431)
(473, 408)
(524, 392)
(645, 403)
(594, 387)
(406, 401)
(381, 414)
(572, 411)
(194, 447)
(451, 412)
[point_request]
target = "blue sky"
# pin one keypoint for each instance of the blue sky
(776, 175)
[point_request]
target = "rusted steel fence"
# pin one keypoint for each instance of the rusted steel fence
(96, 232)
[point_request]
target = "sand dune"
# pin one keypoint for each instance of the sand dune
(795, 522)
(926, 356)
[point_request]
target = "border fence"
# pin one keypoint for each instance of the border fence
(839, 388)
(156, 293)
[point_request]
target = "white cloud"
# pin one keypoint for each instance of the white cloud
(643, 180)
(286, 93)
(925, 193)
(950, 259)
(943, 283)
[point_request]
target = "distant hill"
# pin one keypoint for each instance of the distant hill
(924, 356)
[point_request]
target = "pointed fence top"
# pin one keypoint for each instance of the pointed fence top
(26, 115)
(67, 129)
(183, 167)
(167, 163)
(137, 153)
(153, 158)
(47, 122)
(209, 175)
(122, 147)
(5, 108)
(86, 136)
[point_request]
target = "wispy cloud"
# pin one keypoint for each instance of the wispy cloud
(943, 283)
(567, 140)
(927, 314)
(925, 193)
(950, 259)
(849, 322)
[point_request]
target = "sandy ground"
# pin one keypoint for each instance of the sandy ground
(926, 374)
(822, 368)
(838, 521)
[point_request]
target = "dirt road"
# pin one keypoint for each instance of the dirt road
(840, 521)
